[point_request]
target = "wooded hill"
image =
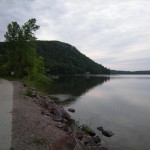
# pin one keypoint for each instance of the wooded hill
(63, 58)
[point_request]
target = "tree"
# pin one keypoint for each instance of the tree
(21, 47)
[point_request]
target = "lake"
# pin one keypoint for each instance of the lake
(120, 103)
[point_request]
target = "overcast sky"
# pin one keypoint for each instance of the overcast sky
(114, 33)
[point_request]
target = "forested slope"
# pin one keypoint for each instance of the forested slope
(63, 58)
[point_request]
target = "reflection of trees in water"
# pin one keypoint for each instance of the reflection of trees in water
(75, 85)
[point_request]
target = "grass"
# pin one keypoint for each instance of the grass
(39, 141)
(28, 92)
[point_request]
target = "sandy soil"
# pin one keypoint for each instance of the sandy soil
(30, 129)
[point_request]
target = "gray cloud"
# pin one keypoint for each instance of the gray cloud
(113, 33)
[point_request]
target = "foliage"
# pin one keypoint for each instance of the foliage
(41, 82)
(62, 58)
(21, 52)
(87, 130)
(28, 92)
(39, 141)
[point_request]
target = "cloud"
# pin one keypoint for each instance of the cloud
(113, 33)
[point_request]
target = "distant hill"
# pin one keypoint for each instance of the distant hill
(129, 72)
(63, 58)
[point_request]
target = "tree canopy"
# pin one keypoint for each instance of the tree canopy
(21, 47)
(63, 58)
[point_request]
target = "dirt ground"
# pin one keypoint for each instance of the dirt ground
(30, 129)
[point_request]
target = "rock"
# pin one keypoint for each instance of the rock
(71, 110)
(72, 123)
(57, 119)
(107, 133)
(86, 140)
(79, 145)
(45, 112)
(100, 128)
(60, 112)
(78, 134)
(66, 115)
(64, 127)
(96, 139)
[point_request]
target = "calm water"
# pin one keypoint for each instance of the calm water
(118, 103)
(6, 100)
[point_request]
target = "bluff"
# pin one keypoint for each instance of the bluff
(63, 58)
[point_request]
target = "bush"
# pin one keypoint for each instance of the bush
(29, 92)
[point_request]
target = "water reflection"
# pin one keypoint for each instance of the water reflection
(74, 86)
(121, 105)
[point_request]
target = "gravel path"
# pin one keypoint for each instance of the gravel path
(30, 129)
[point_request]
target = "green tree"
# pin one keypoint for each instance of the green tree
(21, 47)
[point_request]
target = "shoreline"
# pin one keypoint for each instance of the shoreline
(40, 124)
(29, 126)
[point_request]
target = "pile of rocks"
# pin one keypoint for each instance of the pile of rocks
(78, 137)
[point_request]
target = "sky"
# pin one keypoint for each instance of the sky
(114, 33)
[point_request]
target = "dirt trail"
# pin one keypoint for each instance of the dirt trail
(30, 129)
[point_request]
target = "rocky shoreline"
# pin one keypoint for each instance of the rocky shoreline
(40, 124)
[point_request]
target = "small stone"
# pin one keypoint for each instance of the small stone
(79, 135)
(45, 112)
(107, 133)
(100, 128)
(57, 119)
(71, 110)
(96, 139)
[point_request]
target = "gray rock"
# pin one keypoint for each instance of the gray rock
(100, 128)
(96, 139)
(107, 133)
(64, 127)
(78, 134)
(79, 145)
(57, 119)
(71, 110)
(45, 112)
